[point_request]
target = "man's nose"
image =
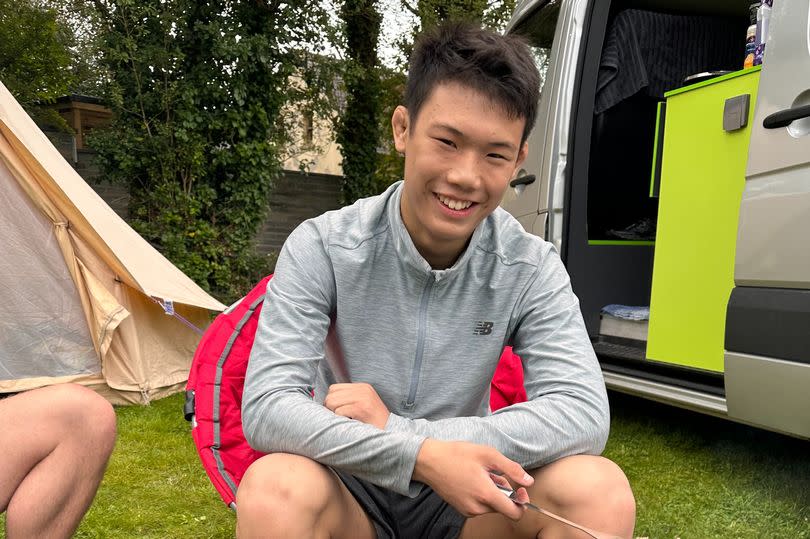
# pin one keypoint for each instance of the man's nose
(466, 171)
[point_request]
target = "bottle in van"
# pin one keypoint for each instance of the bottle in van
(750, 46)
(763, 20)
(751, 36)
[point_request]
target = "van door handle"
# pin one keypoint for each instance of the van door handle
(783, 118)
(523, 180)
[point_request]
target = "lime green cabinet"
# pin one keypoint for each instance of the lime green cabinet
(702, 174)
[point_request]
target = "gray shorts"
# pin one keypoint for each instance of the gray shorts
(396, 516)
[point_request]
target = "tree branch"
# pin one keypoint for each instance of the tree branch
(409, 7)
(271, 6)
(102, 9)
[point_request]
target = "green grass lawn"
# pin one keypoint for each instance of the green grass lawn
(155, 486)
(694, 477)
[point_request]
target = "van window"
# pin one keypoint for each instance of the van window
(538, 29)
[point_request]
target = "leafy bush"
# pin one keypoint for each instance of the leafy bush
(197, 89)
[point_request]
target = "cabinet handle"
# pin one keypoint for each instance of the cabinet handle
(523, 180)
(783, 118)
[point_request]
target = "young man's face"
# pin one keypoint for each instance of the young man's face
(460, 154)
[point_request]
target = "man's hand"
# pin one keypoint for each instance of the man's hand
(465, 476)
(357, 401)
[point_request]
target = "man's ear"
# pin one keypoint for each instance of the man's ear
(400, 123)
(524, 151)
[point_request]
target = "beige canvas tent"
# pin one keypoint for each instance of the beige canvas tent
(81, 292)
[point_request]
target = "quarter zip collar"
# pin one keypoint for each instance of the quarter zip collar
(407, 250)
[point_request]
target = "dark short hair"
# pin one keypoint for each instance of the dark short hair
(500, 67)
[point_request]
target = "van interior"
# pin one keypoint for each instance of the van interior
(634, 52)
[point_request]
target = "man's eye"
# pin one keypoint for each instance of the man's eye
(497, 156)
(446, 142)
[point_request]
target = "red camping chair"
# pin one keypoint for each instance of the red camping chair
(217, 377)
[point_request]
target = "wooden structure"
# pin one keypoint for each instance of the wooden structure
(83, 114)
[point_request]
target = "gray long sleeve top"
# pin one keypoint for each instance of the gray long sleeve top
(427, 340)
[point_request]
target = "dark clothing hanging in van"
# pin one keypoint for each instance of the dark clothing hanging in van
(656, 51)
(645, 54)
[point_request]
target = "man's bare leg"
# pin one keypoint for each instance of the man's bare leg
(55, 443)
(588, 490)
(283, 495)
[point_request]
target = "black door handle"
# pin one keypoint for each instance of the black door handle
(783, 118)
(523, 180)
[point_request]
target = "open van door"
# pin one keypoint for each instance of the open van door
(636, 171)
(767, 359)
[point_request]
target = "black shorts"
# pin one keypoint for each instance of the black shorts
(396, 516)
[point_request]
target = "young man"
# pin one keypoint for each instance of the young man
(418, 290)
(55, 443)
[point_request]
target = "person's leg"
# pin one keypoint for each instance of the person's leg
(55, 443)
(585, 489)
(283, 495)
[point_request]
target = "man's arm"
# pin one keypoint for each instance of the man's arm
(278, 413)
(567, 410)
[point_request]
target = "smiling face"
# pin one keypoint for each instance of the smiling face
(461, 151)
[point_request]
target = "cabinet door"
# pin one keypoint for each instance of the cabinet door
(702, 178)
(773, 248)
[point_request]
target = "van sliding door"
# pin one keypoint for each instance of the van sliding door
(767, 359)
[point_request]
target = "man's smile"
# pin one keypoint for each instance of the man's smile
(453, 203)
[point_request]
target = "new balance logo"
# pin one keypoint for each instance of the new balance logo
(482, 328)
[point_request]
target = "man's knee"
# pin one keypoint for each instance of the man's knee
(282, 482)
(86, 414)
(591, 482)
(609, 485)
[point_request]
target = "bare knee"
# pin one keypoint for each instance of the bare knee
(282, 484)
(86, 416)
(605, 483)
(591, 485)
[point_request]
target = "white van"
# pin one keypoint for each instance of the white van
(676, 186)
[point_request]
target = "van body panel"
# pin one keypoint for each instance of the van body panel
(785, 83)
(528, 199)
(770, 322)
(767, 358)
(768, 393)
(528, 222)
(540, 226)
(548, 143)
(773, 247)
